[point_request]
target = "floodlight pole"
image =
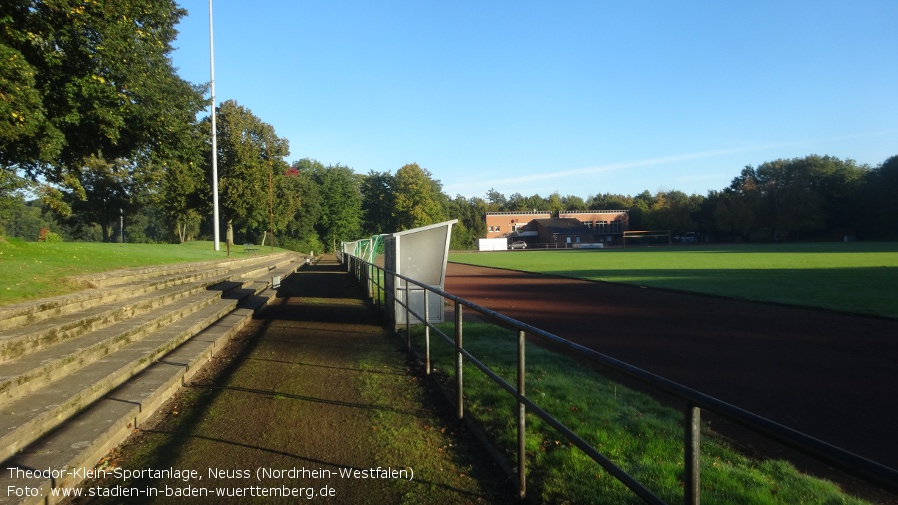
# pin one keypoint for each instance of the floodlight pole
(214, 137)
(270, 199)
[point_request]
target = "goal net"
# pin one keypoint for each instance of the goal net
(647, 238)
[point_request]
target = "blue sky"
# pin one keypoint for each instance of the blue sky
(578, 97)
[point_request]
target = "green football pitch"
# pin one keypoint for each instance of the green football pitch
(859, 277)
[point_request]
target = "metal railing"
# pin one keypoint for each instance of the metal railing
(371, 277)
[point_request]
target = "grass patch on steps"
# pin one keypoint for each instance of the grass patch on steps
(33, 270)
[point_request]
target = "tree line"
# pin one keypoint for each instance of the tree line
(97, 129)
(810, 198)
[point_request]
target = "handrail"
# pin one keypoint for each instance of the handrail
(853, 464)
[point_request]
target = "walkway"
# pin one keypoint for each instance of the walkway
(319, 388)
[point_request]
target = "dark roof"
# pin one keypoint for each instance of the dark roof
(564, 225)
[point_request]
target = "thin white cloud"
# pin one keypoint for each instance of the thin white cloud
(533, 180)
(577, 172)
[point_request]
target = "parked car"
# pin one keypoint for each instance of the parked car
(518, 244)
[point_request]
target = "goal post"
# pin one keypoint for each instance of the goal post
(647, 237)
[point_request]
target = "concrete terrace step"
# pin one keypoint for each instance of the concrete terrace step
(24, 374)
(24, 420)
(132, 275)
(87, 313)
(71, 378)
(90, 434)
(25, 340)
(120, 284)
(59, 347)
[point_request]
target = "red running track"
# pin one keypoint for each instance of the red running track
(832, 376)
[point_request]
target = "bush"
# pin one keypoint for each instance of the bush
(305, 245)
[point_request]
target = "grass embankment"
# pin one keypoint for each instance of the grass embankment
(630, 428)
(856, 277)
(32, 270)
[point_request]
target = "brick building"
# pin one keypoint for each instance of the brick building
(506, 224)
(560, 232)
(609, 225)
(605, 226)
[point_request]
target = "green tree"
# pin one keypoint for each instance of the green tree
(341, 205)
(24, 220)
(307, 210)
(608, 201)
(496, 200)
(92, 80)
(792, 192)
(184, 198)
(471, 223)
(27, 138)
(573, 202)
(639, 210)
(553, 203)
(840, 184)
(741, 208)
(11, 197)
(173, 174)
(671, 210)
(250, 156)
(883, 183)
(419, 199)
(107, 194)
(378, 203)
(520, 203)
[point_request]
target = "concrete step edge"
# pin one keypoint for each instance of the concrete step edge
(19, 314)
(26, 313)
(17, 437)
(114, 417)
(45, 371)
(25, 342)
(19, 342)
(125, 276)
(14, 439)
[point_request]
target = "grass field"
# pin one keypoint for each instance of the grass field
(643, 436)
(31, 270)
(640, 435)
(857, 277)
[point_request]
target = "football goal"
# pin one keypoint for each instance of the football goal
(647, 238)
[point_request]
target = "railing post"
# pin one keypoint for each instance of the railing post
(369, 282)
(692, 455)
(408, 319)
(426, 335)
(522, 417)
(380, 290)
(390, 308)
(459, 383)
(377, 287)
